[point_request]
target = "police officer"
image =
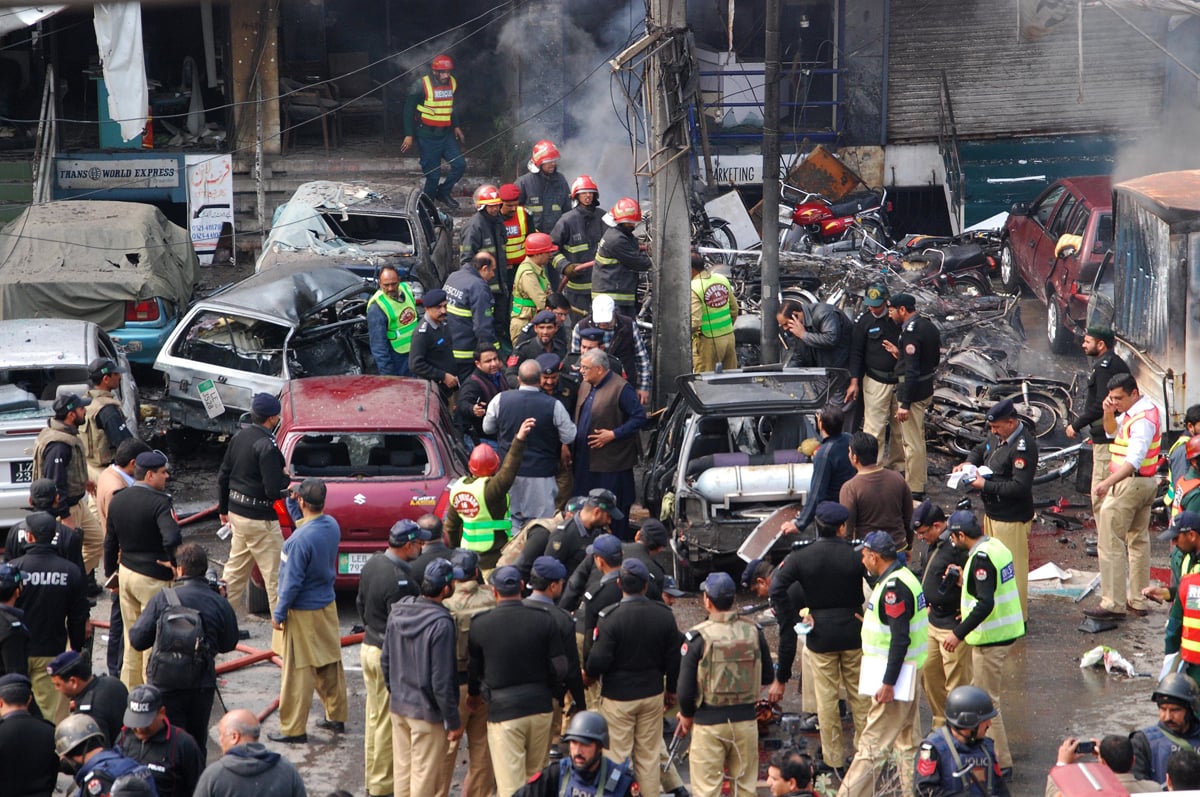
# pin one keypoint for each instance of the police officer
(168, 751)
(469, 307)
(67, 541)
(1178, 701)
(553, 383)
(918, 353)
(714, 311)
(944, 670)
(391, 320)
(104, 422)
(79, 743)
(102, 697)
(990, 612)
(1097, 342)
(431, 356)
(14, 635)
(619, 257)
(958, 758)
(547, 577)
(433, 548)
(725, 662)
(544, 340)
(569, 542)
(587, 772)
(544, 191)
(26, 741)
(577, 234)
(895, 645)
(636, 654)
(607, 554)
(1011, 451)
(873, 372)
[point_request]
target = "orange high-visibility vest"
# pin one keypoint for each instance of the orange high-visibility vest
(1120, 445)
(438, 106)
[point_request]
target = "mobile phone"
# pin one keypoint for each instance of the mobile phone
(1085, 747)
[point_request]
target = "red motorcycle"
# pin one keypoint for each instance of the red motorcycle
(859, 220)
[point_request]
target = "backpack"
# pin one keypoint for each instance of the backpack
(180, 656)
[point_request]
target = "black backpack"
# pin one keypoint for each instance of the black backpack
(180, 656)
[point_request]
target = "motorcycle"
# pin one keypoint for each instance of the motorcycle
(950, 266)
(857, 222)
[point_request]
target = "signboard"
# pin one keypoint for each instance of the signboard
(122, 173)
(210, 398)
(210, 206)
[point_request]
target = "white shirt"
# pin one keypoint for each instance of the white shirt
(1141, 432)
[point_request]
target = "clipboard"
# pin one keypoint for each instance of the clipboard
(870, 678)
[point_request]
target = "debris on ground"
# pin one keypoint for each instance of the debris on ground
(1111, 658)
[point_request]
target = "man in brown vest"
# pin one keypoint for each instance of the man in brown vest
(608, 416)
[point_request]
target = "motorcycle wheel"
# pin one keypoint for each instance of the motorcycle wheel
(1055, 470)
(795, 239)
(970, 286)
(870, 238)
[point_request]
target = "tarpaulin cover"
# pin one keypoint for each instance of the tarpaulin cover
(80, 259)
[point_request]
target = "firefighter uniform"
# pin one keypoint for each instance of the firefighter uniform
(544, 197)
(577, 235)
(400, 319)
(619, 259)
(469, 308)
(875, 371)
(468, 601)
(429, 112)
(714, 309)
(1123, 519)
(1092, 414)
(516, 229)
(530, 287)
(920, 350)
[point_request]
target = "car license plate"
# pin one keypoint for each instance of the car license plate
(351, 564)
(21, 472)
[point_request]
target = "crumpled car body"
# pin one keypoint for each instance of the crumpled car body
(302, 319)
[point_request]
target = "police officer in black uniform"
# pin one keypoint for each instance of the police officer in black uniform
(918, 353)
(80, 746)
(547, 577)
(14, 636)
(555, 382)
(869, 359)
(607, 556)
(102, 697)
(431, 354)
(547, 338)
(587, 772)
(42, 499)
(568, 544)
(26, 741)
(170, 753)
(434, 547)
(1097, 342)
(537, 537)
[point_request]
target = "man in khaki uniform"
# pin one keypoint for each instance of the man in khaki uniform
(725, 663)
(714, 309)
(467, 601)
(59, 455)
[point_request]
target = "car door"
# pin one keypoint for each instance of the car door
(1036, 252)
(1070, 218)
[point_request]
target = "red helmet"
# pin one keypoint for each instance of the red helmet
(627, 210)
(544, 152)
(539, 243)
(484, 460)
(584, 183)
(1192, 449)
(509, 192)
(442, 63)
(486, 194)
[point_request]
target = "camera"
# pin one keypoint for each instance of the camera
(1085, 747)
(949, 580)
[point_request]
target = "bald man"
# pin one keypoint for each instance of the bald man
(247, 767)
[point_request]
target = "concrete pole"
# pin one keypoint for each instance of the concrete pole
(770, 206)
(669, 194)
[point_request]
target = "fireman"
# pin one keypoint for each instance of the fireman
(516, 225)
(577, 234)
(619, 257)
(714, 309)
(530, 283)
(544, 191)
(429, 111)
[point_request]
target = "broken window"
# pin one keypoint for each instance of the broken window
(361, 454)
(234, 342)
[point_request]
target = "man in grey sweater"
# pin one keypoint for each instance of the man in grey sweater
(420, 666)
(247, 767)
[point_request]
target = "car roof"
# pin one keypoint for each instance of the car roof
(354, 403)
(33, 342)
(764, 390)
(287, 291)
(1096, 189)
(357, 196)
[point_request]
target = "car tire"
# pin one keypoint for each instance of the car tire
(1060, 338)
(256, 596)
(1010, 280)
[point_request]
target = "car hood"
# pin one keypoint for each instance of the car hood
(757, 391)
(85, 259)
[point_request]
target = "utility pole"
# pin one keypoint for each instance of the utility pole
(669, 70)
(770, 206)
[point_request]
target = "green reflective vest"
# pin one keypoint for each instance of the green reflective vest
(521, 302)
(479, 527)
(877, 637)
(1006, 621)
(401, 315)
(713, 291)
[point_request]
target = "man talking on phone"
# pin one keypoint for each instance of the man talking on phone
(474, 394)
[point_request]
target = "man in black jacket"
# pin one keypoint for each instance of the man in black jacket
(568, 543)
(917, 353)
(251, 480)
(140, 547)
(26, 742)
(546, 579)
(431, 356)
(517, 663)
(477, 390)
(54, 599)
(1097, 342)
(830, 574)
(102, 697)
(820, 339)
(191, 708)
(169, 752)
(43, 498)
(636, 656)
(434, 547)
(14, 635)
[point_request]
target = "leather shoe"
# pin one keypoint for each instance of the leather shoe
(285, 739)
(1103, 614)
(1136, 612)
(337, 726)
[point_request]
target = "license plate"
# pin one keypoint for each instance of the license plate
(351, 564)
(21, 472)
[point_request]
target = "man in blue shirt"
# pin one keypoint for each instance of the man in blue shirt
(831, 467)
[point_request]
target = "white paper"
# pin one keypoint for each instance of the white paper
(870, 678)
(1049, 571)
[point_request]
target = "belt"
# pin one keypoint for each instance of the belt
(881, 376)
(922, 378)
(248, 500)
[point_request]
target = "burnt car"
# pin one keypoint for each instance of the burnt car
(1055, 245)
(724, 459)
(256, 335)
(363, 226)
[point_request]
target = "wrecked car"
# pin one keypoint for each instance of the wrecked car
(362, 227)
(725, 456)
(252, 337)
(120, 265)
(40, 360)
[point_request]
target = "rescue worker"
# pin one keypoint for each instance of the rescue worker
(1097, 342)
(103, 697)
(478, 518)
(530, 284)
(1134, 424)
(517, 228)
(725, 663)
(873, 373)
(173, 757)
(944, 670)
(577, 234)
(621, 341)
(1011, 451)
(516, 661)
(1178, 728)
(714, 309)
(917, 353)
(635, 656)
(470, 308)
(391, 320)
(466, 602)
(544, 191)
(59, 455)
(894, 644)
(429, 113)
(990, 612)
(485, 231)
(82, 754)
(619, 257)
(1186, 489)
(958, 758)
(1177, 457)
(586, 772)
(104, 421)
(432, 356)
(1182, 635)
(475, 395)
